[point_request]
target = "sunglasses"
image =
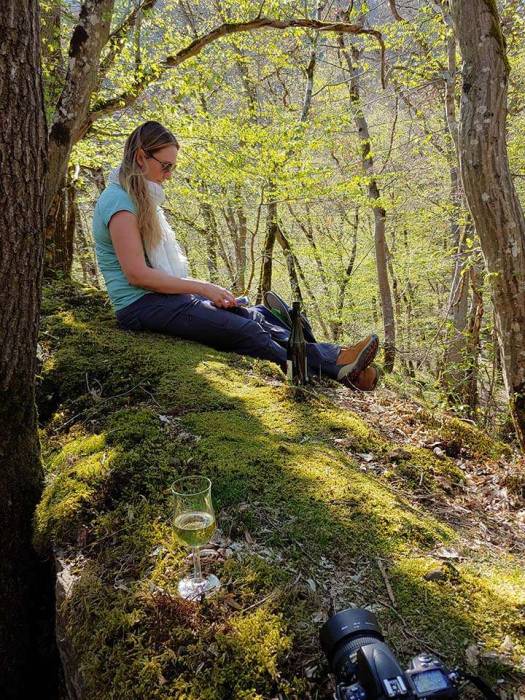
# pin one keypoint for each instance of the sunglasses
(166, 167)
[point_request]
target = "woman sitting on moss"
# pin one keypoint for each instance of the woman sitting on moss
(146, 273)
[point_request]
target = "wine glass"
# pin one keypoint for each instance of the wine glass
(194, 522)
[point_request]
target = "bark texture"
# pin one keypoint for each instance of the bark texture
(488, 184)
(22, 163)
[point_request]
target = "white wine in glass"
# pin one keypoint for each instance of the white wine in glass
(194, 523)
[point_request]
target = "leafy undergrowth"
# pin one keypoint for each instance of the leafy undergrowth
(320, 505)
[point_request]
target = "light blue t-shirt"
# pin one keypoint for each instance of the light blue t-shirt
(112, 200)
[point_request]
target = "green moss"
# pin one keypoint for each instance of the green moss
(71, 487)
(297, 514)
(497, 32)
(421, 469)
(254, 643)
(462, 434)
(81, 447)
(465, 594)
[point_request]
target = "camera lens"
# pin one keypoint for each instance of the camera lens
(343, 634)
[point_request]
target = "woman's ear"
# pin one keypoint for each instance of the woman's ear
(140, 157)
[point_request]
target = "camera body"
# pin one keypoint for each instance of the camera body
(366, 669)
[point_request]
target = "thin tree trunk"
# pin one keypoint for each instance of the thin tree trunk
(379, 212)
(489, 187)
(84, 251)
(60, 233)
(309, 291)
(211, 238)
(265, 280)
(89, 37)
(238, 228)
(307, 229)
(474, 334)
(242, 241)
(452, 375)
(290, 264)
(337, 325)
(23, 164)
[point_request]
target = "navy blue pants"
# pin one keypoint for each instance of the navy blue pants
(253, 331)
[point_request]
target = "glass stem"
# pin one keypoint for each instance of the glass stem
(197, 573)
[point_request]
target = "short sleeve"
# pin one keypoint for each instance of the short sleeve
(116, 199)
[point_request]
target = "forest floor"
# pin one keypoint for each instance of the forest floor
(325, 499)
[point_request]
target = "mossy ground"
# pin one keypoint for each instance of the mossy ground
(301, 525)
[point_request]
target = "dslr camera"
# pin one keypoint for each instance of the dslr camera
(366, 669)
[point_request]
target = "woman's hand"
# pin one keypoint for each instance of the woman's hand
(218, 296)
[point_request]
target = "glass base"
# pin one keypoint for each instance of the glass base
(190, 589)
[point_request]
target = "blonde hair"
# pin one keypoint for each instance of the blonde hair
(151, 137)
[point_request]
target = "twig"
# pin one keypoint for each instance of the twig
(109, 398)
(405, 628)
(258, 602)
(151, 396)
(387, 582)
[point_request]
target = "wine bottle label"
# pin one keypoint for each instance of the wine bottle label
(289, 370)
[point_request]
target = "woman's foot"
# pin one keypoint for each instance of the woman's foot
(366, 380)
(355, 358)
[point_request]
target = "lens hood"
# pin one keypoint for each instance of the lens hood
(346, 625)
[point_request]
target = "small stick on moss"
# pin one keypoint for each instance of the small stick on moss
(259, 602)
(387, 582)
(93, 409)
(405, 629)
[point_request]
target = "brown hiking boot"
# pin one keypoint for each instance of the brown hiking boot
(366, 380)
(355, 358)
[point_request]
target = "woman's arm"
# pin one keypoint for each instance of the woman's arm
(127, 242)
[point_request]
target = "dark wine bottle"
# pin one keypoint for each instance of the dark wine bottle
(296, 364)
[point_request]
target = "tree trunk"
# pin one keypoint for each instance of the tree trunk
(211, 238)
(265, 280)
(290, 264)
(237, 224)
(452, 375)
(385, 293)
(314, 305)
(337, 323)
(59, 233)
(23, 164)
(85, 252)
(308, 231)
(89, 37)
(488, 184)
(471, 396)
(242, 240)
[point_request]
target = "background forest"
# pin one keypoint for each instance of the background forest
(300, 170)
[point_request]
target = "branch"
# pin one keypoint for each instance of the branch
(394, 11)
(127, 98)
(264, 22)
